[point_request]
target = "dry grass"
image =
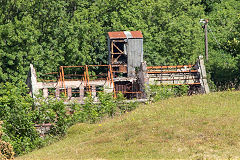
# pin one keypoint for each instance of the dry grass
(197, 127)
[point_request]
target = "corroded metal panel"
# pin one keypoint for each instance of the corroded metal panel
(135, 55)
(125, 35)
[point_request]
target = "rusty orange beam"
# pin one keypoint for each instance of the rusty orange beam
(127, 92)
(117, 48)
(166, 67)
(176, 79)
(87, 75)
(155, 72)
(72, 66)
(179, 84)
(102, 65)
(47, 80)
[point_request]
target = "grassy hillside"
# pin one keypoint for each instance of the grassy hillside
(203, 126)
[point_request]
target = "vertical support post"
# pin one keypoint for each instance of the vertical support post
(81, 90)
(60, 78)
(57, 92)
(109, 77)
(87, 75)
(203, 74)
(32, 81)
(45, 92)
(69, 92)
(112, 52)
(65, 91)
(206, 39)
(94, 93)
(114, 93)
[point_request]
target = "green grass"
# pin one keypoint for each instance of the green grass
(196, 127)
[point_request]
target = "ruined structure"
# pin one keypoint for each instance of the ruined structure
(126, 73)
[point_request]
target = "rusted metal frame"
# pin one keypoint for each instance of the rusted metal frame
(128, 92)
(176, 79)
(109, 77)
(117, 65)
(102, 65)
(118, 41)
(169, 67)
(117, 48)
(114, 92)
(95, 91)
(112, 52)
(60, 77)
(74, 75)
(118, 53)
(103, 74)
(75, 92)
(179, 84)
(72, 66)
(86, 67)
(47, 80)
(119, 71)
(73, 79)
(99, 79)
(117, 57)
(155, 72)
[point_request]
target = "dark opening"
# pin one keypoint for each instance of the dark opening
(75, 92)
(128, 89)
(99, 89)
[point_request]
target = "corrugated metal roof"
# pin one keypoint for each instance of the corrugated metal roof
(125, 34)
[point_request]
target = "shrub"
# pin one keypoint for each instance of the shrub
(16, 114)
(20, 114)
(165, 91)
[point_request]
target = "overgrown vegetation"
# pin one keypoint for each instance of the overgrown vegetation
(187, 127)
(71, 32)
(20, 114)
(166, 91)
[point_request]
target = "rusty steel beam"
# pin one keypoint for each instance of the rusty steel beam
(167, 67)
(179, 84)
(128, 92)
(47, 80)
(72, 66)
(162, 72)
(176, 79)
(86, 67)
(117, 48)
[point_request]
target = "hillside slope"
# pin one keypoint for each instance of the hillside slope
(203, 126)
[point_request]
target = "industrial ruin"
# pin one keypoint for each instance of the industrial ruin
(126, 73)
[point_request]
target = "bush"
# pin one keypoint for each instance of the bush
(20, 114)
(166, 91)
(16, 114)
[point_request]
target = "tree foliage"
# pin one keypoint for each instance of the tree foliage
(70, 32)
